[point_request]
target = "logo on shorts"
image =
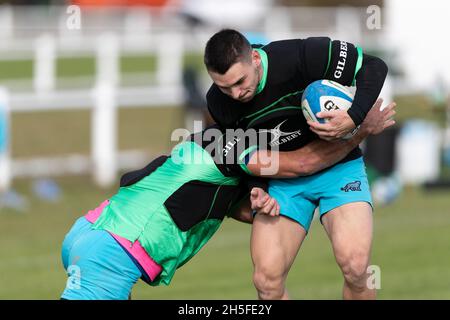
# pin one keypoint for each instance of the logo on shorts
(352, 186)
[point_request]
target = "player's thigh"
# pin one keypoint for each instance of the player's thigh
(350, 229)
(345, 208)
(275, 242)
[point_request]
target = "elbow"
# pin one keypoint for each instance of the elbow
(375, 66)
(254, 169)
(381, 67)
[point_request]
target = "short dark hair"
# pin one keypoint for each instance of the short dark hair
(224, 49)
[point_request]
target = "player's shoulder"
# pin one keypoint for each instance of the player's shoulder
(278, 46)
(304, 54)
(289, 44)
(283, 61)
(222, 108)
(294, 45)
(214, 94)
(215, 100)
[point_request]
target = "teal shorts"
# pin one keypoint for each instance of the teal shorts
(331, 188)
(97, 266)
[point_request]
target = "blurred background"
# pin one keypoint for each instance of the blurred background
(92, 88)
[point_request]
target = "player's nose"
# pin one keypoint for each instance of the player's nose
(236, 93)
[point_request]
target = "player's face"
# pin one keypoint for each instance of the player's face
(241, 80)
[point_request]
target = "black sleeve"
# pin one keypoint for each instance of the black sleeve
(238, 148)
(134, 176)
(322, 58)
(210, 103)
(314, 58)
(345, 63)
(257, 182)
(369, 82)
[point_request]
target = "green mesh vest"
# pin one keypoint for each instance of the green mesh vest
(140, 211)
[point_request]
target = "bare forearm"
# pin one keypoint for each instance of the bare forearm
(315, 156)
(321, 154)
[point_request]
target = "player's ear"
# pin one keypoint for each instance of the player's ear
(256, 58)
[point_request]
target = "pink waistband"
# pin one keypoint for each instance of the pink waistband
(136, 250)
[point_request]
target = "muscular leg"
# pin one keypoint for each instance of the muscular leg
(275, 242)
(349, 228)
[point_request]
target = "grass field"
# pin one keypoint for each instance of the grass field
(72, 67)
(411, 247)
(411, 236)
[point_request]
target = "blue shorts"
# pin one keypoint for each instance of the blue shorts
(97, 266)
(331, 188)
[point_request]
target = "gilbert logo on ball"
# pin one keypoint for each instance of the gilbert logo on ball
(326, 95)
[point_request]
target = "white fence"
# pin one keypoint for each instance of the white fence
(103, 99)
(26, 35)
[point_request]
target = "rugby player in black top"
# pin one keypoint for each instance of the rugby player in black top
(260, 87)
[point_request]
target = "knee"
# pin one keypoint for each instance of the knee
(354, 269)
(269, 284)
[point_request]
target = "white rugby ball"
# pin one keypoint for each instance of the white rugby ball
(326, 95)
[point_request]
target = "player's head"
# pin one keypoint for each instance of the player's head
(233, 65)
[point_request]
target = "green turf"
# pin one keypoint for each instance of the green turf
(411, 247)
(71, 67)
(52, 132)
(418, 107)
(85, 66)
(16, 69)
